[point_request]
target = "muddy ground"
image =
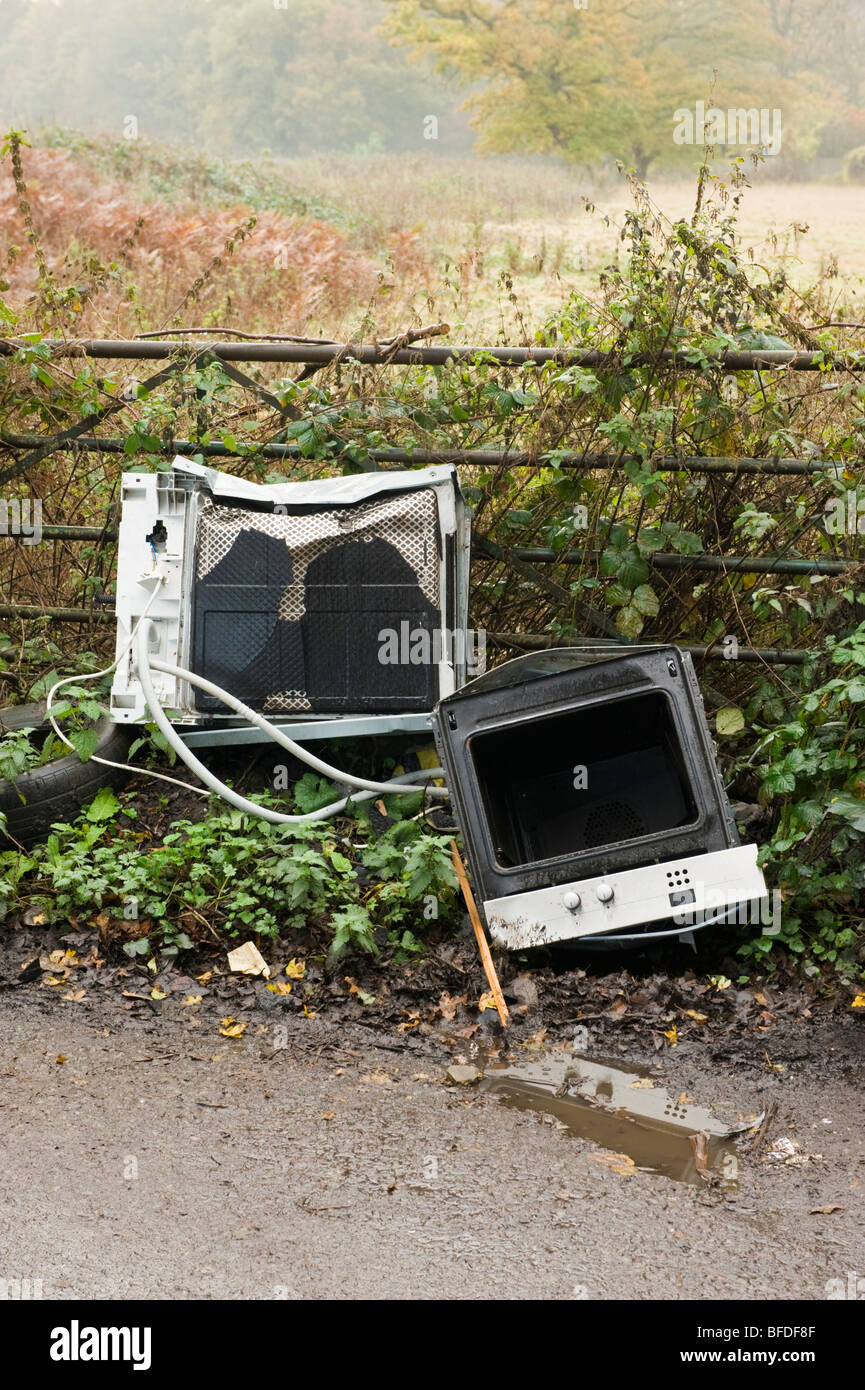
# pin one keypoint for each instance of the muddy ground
(322, 1151)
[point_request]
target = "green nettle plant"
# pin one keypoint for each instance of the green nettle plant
(592, 520)
(233, 874)
(814, 775)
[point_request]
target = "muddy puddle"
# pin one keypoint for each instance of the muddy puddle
(626, 1112)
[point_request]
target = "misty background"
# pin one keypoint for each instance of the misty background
(589, 83)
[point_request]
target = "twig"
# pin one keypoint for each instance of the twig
(435, 330)
(483, 947)
(236, 333)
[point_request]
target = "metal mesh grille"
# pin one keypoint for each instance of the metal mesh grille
(611, 822)
(406, 521)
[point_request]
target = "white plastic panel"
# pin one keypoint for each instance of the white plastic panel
(629, 898)
(172, 498)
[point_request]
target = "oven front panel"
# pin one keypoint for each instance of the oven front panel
(685, 892)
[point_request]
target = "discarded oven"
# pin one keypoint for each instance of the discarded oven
(589, 799)
(341, 602)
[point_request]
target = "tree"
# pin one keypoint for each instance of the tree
(604, 81)
(230, 76)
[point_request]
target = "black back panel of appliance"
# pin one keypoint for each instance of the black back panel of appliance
(354, 592)
(239, 641)
(284, 643)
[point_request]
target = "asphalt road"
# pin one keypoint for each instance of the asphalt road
(161, 1160)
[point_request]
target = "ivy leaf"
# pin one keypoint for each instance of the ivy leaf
(140, 947)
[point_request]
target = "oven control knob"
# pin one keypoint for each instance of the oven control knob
(604, 892)
(571, 901)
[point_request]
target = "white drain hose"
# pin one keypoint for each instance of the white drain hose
(368, 789)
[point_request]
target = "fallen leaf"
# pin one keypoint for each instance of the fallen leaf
(825, 1211)
(60, 1059)
(280, 987)
(672, 1036)
(698, 1018)
(230, 1029)
(378, 1078)
(617, 1163)
(75, 995)
(858, 1002)
(774, 1066)
(643, 1083)
(192, 999)
(729, 720)
(296, 969)
(158, 993)
(308, 1012)
(448, 1003)
(486, 1001)
(467, 1032)
(355, 989)
(203, 979)
(329, 1115)
(248, 960)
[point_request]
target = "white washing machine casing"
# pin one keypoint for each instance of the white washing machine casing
(166, 516)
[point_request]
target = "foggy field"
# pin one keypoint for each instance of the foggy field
(375, 243)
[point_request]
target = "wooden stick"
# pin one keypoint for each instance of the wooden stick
(483, 947)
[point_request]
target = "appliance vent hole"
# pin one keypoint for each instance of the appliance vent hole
(678, 878)
(612, 821)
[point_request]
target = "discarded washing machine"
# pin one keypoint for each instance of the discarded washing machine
(283, 595)
(590, 801)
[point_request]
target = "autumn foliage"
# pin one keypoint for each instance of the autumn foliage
(290, 275)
